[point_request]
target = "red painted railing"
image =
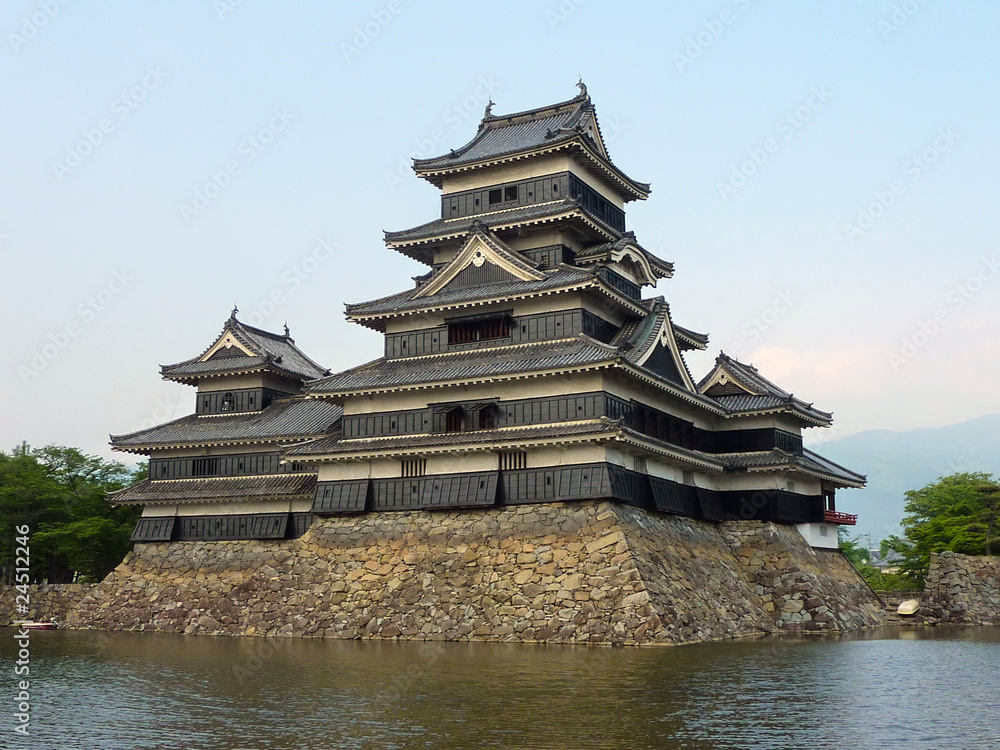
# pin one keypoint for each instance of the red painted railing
(835, 516)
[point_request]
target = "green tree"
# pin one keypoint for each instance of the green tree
(957, 513)
(860, 558)
(61, 494)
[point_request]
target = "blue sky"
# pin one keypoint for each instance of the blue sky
(823, 178)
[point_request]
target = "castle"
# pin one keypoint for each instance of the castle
(523, 368)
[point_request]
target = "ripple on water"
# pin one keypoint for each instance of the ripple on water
(937, 689)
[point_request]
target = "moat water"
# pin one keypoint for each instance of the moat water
(934, 689)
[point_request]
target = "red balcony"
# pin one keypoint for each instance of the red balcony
(844, 519)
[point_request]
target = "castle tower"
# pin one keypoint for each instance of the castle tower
(216, 474)
(526, 366)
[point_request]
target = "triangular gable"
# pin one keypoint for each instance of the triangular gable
(658, 349)
(481, 248)
(591, 128)
(634, 261)
(225, 344)
(722, 382)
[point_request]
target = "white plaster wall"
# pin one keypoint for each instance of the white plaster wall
(813, 533)
(232, 508)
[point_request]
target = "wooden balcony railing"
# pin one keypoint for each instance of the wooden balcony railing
(835, 516)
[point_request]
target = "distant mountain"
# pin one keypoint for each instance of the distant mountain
(899, 461)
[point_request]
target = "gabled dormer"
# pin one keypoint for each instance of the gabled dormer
(245, 369)
(743, 391)
(483, 259)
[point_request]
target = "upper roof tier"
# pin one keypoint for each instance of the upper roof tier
(569, 126)
(241, 349)
(508, 275)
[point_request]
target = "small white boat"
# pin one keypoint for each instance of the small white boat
(909, 607)
(46, 625)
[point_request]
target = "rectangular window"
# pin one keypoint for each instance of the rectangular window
(496, 196)
(486, 329)
(204, 467)
(414, 467)
(639, 464)
(510, 193)
(510, 460)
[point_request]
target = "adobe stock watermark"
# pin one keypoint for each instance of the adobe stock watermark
(32, 25)
(162, 412)
(366, 32)
(914, 168)
(561, 13)
(453, 117)
(706, 37)
(224, 7)
(787, 126)
(955, 300)
(221, 179)
(900, 16)
(86, 313)
(293, 278)
(764, 321)
(121, 108)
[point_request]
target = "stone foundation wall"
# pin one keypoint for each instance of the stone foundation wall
(803, 588)
(564, 573)
(963, 589)
(45, 602)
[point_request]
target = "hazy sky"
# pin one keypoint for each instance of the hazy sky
(823, 178)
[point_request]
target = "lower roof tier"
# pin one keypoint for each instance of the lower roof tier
(290, 420)
(602, 431)
(217, 489)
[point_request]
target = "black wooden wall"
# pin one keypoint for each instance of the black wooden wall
(523, 329)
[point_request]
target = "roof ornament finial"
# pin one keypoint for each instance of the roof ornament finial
(286, 329)
(232, 315)
(582, 86)
(489, 110)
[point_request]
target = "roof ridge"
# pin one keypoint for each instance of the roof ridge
(536, 113)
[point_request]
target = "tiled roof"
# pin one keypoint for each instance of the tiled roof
(810, 462)
(566, 124)
(688, 339)
(472, 364)
(763, 394)
(555, 278)
(213, 489)
(515, 132)
(825, 464)
(298, 418)
(496, 220)
(503, 436)
(662, 268)
(270, 350)
(751, 402)
(506, 438)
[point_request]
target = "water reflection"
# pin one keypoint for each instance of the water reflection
(933, 688)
